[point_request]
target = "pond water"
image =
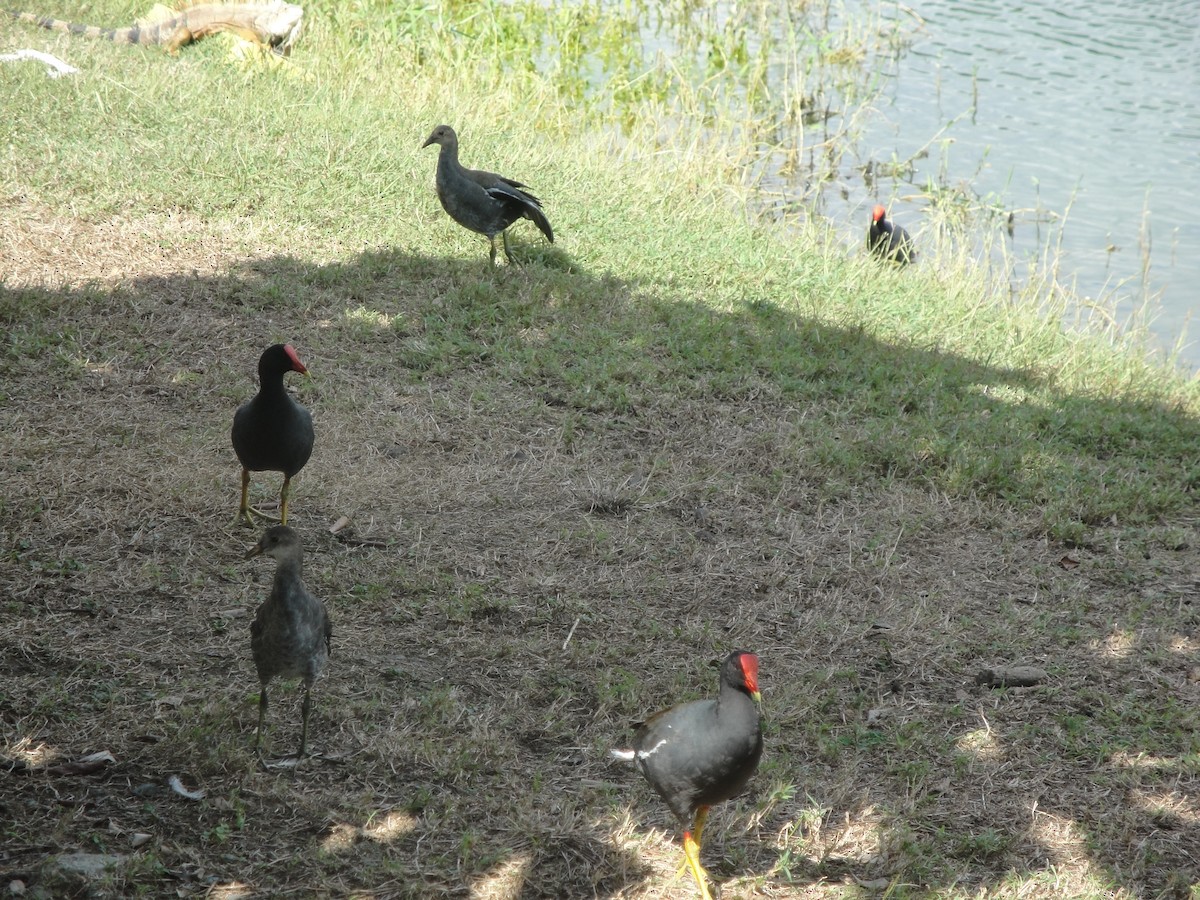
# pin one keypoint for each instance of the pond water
(1081, 120)
(1079, 106)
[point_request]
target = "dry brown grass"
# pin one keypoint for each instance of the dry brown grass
(461, 737)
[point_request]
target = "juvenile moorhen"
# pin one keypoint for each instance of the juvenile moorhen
(482, 201)
(271, 431)
(887, 240)
(702, 753)
(290, 634)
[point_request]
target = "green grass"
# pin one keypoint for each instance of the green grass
(678, 428)
(931, 383)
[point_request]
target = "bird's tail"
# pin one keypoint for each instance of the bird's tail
(623, 755)
(533, 212)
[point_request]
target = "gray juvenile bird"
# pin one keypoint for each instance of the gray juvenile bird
(482, 201)
(290, 634)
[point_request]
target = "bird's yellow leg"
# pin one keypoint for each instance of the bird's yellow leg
(698, 825)
(697, 831)
(246, 512)
(304, 728)
(262, 714)
(283, 500)
(691, 849)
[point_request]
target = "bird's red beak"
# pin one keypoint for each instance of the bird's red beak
(297, 366)
(749, 663)
(878, 213)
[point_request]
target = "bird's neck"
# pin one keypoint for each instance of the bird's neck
(448, 156)
(270, 383)
(287, 571)
(732, 698)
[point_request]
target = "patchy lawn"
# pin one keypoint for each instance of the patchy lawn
(536, 558)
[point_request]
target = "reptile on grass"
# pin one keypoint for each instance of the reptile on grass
(272, 24)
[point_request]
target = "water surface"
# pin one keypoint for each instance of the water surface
(1077, 108)
(1077, 122)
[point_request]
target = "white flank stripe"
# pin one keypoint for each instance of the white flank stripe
(646, 754)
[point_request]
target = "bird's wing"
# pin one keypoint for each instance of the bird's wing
(501, 188)
(511, 192)
(489, 180)
(531, 206)
(508, 190)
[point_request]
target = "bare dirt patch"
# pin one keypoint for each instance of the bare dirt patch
(524, 576)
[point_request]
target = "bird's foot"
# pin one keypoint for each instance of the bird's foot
(686, 866)
(691, 852)
(247, 517)
(279, 762)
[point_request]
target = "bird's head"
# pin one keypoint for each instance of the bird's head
(294, 358)
(878, 214)
(740, 670)
(277, 541)
(278, 359)
(443, 135)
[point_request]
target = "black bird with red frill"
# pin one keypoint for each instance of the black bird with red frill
(699, 754)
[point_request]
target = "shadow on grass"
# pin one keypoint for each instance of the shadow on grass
(952, 787)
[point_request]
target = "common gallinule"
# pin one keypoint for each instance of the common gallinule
(271, 431)
(887, 240)
(482, 201)
(702, 753)
(289, 637)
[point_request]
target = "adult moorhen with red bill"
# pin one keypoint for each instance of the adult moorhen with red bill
(271, 431)
(702, 753)
(887, 240)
